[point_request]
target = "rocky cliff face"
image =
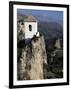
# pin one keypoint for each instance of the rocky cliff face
(32, 60)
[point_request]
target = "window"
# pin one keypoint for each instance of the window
(30, 27)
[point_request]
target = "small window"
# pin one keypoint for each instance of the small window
(30, 27)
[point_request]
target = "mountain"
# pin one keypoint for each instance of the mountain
(50, 29)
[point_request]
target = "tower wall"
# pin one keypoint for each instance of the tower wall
(28, 33)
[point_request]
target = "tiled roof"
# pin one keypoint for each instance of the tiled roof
(30, 19)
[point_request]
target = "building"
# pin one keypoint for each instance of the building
(30, 27)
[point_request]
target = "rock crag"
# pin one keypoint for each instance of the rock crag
(32, 58)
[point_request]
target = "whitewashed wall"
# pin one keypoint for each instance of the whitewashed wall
(29, 34)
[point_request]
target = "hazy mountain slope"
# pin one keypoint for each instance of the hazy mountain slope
(50, 29)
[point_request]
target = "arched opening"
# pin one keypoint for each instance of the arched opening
(30, 27)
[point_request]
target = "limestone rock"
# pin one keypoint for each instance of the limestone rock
(32, 59)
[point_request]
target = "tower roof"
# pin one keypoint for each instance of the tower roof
(30, 19)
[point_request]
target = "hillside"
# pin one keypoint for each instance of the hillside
(50, 29)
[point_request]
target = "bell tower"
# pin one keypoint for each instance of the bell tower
(30, 27)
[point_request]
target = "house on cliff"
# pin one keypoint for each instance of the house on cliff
(32, 57)
(30, 27)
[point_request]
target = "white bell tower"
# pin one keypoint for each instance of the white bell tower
(30, 27)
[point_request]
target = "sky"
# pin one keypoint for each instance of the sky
(43, 15)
